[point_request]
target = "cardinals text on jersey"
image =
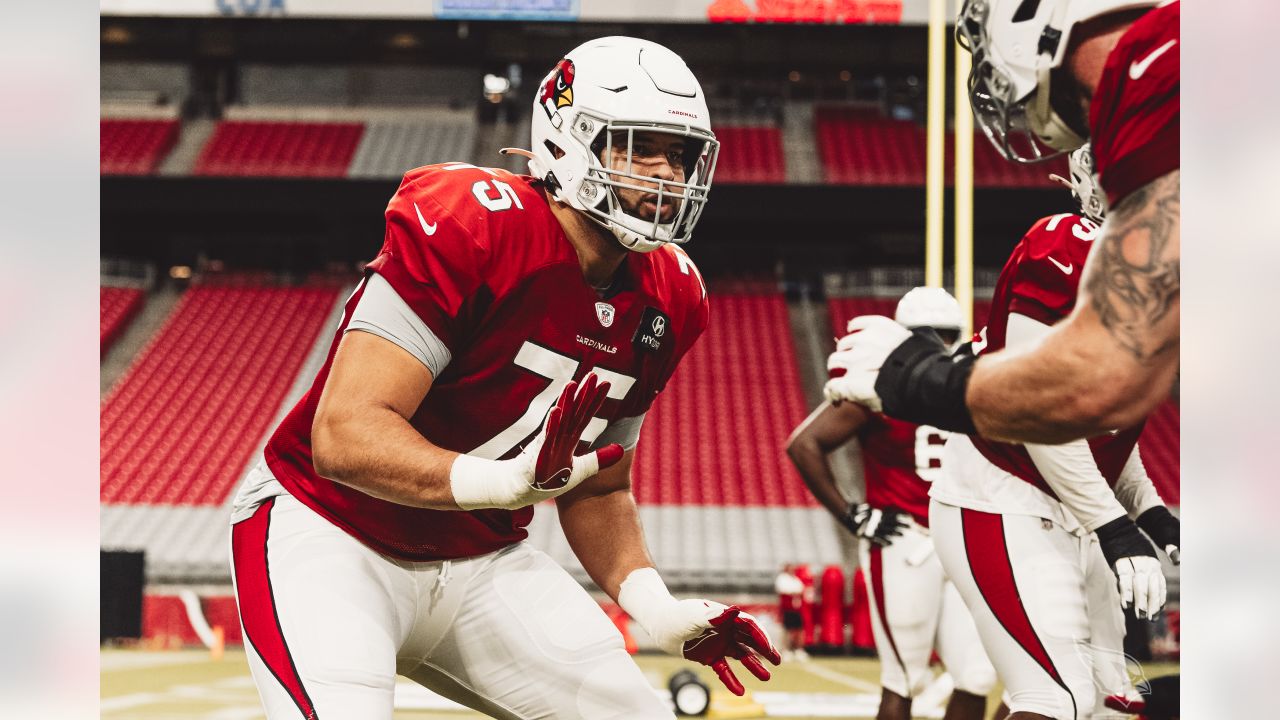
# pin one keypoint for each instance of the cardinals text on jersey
(477, 255)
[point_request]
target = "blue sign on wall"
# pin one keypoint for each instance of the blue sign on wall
(507, 9)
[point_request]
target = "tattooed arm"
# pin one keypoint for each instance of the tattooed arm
(1115, 358)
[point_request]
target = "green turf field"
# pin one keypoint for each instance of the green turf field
(188, 684)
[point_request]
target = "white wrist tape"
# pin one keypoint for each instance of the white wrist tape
(480, 483)
(670, 622)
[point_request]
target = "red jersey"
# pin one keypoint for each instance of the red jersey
(1040, 281)
(1134, 115)
(899, 461)
(477, 255)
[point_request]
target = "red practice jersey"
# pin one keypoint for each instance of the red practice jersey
(1040, 281)
(1134, 115)
(477, 255)
(899, 460)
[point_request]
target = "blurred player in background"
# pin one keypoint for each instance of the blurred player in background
(1037, 537)
(915, 610)
(1047, 75)
(502, 350)
(791, 590)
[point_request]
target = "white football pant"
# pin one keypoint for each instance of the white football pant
(1045, 604)
(329, 623)
(915, 610)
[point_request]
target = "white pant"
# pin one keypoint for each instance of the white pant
(915, 609)
(328, 623)
(1045, 604)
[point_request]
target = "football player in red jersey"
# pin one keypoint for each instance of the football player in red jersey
(1043, 541)
(914, 609)
(1047, 74)
(502, 349)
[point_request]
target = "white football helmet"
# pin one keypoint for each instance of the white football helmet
(929, 307)
(1084, 184)
(1016, 44)
(601, 92)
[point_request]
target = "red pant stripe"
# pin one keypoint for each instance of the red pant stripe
(258, 608)
(988, 554)
(877, 592)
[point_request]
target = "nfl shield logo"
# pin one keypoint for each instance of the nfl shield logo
(604, 313)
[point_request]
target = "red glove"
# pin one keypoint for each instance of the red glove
(564, 427)
(733, 634)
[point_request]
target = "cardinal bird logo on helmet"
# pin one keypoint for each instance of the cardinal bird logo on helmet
(557, 89)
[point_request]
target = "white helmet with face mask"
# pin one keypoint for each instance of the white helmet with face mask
(1016, 46)
(593, 104)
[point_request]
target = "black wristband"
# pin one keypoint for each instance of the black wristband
(1120, 539)
(1160, 525)
(921, 383)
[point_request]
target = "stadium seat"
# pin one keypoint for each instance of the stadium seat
(116, 308)
(860, 146)
(1161, 448)
(180, 426)
(715, 435)
(280, 149)
(135, 147)
(750, 154)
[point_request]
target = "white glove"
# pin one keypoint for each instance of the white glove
(1142, 585)
(855, 364)
(547, 467)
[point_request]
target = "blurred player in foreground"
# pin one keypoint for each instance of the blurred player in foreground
(915, 610)
(502, 350)
(1047, 75)
(1037, 538)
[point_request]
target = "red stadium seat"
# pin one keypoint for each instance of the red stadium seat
(116, 308)
(135, 147)
(715, 436)
(862, 147)
(280, 149)
(181, 424)
(750, 155)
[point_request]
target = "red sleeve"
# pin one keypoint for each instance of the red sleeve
(1040, 288)
(1134, 117)
(429, 258)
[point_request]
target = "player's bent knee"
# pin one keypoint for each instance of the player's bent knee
(975, 681)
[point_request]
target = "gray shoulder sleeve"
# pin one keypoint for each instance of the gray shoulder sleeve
(382, 312)
(624, 431)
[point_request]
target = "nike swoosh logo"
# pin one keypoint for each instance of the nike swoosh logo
(1139, 67)
(429, 229)
(618, 89)
(1064, 268)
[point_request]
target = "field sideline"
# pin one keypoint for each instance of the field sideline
(190, 685)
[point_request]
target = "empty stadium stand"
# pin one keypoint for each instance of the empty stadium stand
(280, 148)
(750, 154)
(1161, 447)
(116, 307)
(180, 426)
(390, 146)
(860, 146)
(135, 146)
